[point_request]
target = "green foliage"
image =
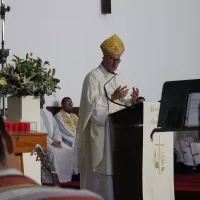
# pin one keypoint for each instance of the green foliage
(28, 76)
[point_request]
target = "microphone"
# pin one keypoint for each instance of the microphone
(110, 98)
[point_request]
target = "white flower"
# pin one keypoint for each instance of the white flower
(3, 81)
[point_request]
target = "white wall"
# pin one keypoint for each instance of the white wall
(162, 39)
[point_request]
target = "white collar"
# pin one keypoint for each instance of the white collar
(12, 171)
(105, 71)
(68, 114)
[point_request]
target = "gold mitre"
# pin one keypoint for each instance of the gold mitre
(112, 46)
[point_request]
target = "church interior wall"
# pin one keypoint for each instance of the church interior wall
(161, 39)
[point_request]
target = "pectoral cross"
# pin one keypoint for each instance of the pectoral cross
(159, 157)
(106, 6)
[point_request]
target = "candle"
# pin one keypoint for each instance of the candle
(16, 126)
(9, 126)
(22, 126)
(27, 126)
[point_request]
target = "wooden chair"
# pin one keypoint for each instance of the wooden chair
(55, 110)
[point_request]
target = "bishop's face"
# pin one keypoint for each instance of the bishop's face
(111, 62)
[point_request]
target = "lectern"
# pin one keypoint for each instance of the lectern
(180, 113)
(127, 152)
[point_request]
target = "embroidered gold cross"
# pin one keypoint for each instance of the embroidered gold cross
(159, 145)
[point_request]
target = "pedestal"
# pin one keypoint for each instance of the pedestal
(24, 144)
(25, 109)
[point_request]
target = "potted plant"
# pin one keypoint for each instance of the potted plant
(23, 82)
(28, 77)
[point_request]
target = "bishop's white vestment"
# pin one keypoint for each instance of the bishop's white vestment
(60, 157)
(67, 128)
(93, 132)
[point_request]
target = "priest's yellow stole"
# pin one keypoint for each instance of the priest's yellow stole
(68, 122)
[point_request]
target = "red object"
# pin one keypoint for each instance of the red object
(187, 187)
(9, 126)
(190, 182)
(27, 126)
(22, 126)
(16, 127)
(72, 184)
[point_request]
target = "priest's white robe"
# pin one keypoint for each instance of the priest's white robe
(60, 157)
(68, 137)
(93, 132)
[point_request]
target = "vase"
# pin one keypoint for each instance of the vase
(24, 109)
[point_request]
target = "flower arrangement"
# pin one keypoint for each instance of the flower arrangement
(28, 77)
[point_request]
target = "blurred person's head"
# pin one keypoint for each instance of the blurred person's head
(7, 151)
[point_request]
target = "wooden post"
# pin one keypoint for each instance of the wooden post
(19, 158)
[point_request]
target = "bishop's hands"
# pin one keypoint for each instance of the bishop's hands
(119, 93)
(134, 95)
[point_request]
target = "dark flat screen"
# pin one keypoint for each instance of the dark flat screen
(174, 102)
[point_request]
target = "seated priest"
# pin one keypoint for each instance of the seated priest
(187, 152)
(14, 185)
(60, 154)
(67, 123)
